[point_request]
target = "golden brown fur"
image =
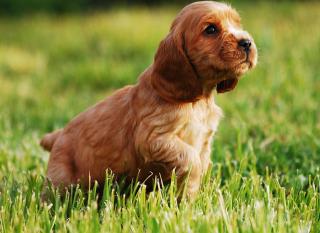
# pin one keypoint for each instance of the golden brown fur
(166, 121)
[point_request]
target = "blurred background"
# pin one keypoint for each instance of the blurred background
(19, 7)
(59, 57)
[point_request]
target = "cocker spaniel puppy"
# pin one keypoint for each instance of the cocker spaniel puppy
(166, 121)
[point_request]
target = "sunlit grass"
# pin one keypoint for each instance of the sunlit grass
(266, 158)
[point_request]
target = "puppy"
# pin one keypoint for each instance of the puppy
(166, 121)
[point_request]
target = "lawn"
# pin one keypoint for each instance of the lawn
(266, 154)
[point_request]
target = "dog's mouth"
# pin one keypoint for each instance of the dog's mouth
(226, 85)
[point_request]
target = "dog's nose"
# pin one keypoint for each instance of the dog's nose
(245, 43)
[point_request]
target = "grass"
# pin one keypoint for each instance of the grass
(266, 155)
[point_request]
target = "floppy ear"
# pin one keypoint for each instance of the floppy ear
(173, 76)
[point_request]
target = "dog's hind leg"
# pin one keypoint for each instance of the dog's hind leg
(61, 172)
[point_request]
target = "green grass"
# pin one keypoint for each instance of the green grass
(266, 154)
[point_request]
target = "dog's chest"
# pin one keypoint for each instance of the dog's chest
(200, 124)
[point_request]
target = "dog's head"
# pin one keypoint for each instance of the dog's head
(206, 48)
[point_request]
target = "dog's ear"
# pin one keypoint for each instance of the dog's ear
(173, 76)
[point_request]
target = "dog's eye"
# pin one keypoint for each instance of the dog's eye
(211, 29)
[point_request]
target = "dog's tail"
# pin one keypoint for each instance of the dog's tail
(49, 139)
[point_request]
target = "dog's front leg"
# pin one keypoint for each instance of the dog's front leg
(171, 153)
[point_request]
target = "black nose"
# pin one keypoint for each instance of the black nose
(245, 43)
